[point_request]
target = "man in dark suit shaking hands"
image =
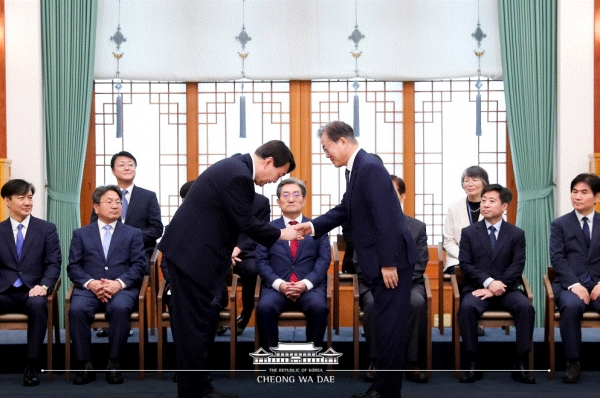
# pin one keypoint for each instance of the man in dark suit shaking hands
(492, 258)
(198, 244)
(106, 264)
(29, 266)
(383, 244)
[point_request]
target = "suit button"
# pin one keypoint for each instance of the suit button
(106, 268)
(20, 272)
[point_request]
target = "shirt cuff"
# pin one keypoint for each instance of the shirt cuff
(487, 282)
(85, 285)
(308, 284)
(573, 285)
(123, 286)
(277, 283)
(312, 228)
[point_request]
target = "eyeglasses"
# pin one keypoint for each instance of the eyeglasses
(467, 181)
(326, 149)
(111, 202)
(123, 165)
(287, 195)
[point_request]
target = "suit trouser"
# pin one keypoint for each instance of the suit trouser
(246, 269)
(514, 301)
(571, 309)
(391, 313)
(272, 303)
(194, 319)
(118, 313)
(36, 308)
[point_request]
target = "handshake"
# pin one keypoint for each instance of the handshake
(296, 232)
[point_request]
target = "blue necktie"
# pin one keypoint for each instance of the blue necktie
(106, 241)
(19, 282)
(125, 205)
(586, 231)
(492, 236)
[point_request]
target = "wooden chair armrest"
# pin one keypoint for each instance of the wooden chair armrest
(440, 261)
(329, 286)
(355, 288)
(234, 284)
(549, 294)
(257, 291)
(53, 291)
(455, 289)
(143, 288)
(527, 288)
(69, 293)
(159, 296)
(427, 288)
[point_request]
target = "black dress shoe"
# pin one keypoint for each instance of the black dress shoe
(113, 376)
(472, 375)
(219, 394)
(371, 393)
(573, 373)
(102, 332)
(221, 330)
(480, 331)
(85, 376)
(30, 377)
(521, 374)
(415, 374)
(240, 324)
(371, 374)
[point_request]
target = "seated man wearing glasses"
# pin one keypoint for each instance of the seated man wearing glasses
(106, 264)
(293, 273)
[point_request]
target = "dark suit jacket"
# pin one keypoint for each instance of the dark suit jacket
(205, 228)
(312, 259)
(379, 232)
(40, 256)
(261, 207)
(570, 256)
(418, 230)
(478, 261)
(143, 213)
(125, 260)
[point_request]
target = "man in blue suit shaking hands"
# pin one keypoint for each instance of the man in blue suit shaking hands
(293, 273)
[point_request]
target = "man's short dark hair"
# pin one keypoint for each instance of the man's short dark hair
(475, 172)
(122, 153)
(16, 187)
(590, 179)
(98, 192)
(336, 130)
(505, 194)
(280, 153)
(185, 188)
(400, 183)
(289, 181)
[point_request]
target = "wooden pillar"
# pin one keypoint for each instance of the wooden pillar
(408, 146)
(191, 99)
(300, 136)
(3, 145)
(88, 183)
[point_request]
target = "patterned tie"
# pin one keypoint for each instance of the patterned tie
(347, 178)
(293, 250)
(19, 281)
(492, 236)
(586, 231)
(125, 204)
(106, 241)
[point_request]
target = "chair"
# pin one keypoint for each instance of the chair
(339, 279)
(153, 282)
(503, 319)
(591, 319)
(443, 280)
(138, 320)
(227, 317)
(17, 321)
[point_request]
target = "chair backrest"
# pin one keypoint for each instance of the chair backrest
(551, 274)
(341, 243)
(441, 255)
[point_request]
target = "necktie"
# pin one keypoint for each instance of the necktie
(294, 251)
(19, 282)
(125, 204)
(492, 236)
(586, 231)
(347, 178)
(106, 241)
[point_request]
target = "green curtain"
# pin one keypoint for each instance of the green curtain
(68, 46)
(528, 47)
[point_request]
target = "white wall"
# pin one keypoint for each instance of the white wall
(575, 104)
(24, 96)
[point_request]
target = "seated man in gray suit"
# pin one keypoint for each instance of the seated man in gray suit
(106, 264)
(293, 273)
(29, 266)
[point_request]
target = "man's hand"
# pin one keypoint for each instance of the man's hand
(291, 233)
(234, 256)
(390, 277)
(483, 293)
(582, 293)
(497, 288)
(595, 292)
(38, 290)
(110, 287)
(288, 291)
(97, 288)
(304, 228)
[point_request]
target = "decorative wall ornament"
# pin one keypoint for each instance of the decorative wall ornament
(243, 38)
(479, 36)
(119, 39)
(356, 37)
